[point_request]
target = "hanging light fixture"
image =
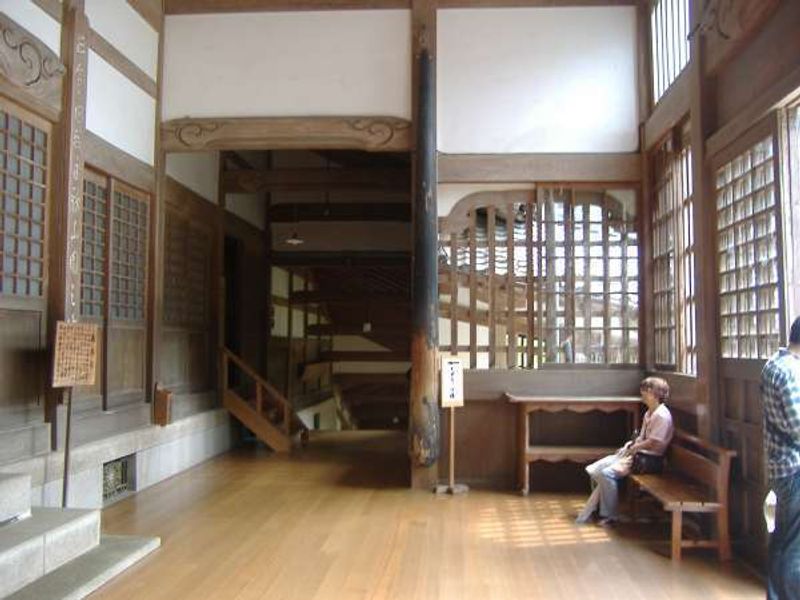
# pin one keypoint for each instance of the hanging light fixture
(294, 239)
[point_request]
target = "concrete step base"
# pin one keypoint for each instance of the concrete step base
(82, 576)
(48, 539)
(15, 496)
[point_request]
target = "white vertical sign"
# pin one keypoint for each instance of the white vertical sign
(452, 382)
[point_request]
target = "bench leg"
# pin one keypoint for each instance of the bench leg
(724, 535)
(677, 534)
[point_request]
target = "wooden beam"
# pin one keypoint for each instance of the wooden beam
(187, 7)
(54, 8)
(350, 380)
(66, 221)
(365, 356)
(291, 213)
(340, 259)
(356, 297)
(151, 11)
(190, 7)
(510, 168)
(372, 134)
(317, 180)
(108, 158)
(357, 329)
(108, 52)
(670, 110)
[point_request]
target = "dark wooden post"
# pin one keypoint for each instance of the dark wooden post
(66, 235)
(424, 429)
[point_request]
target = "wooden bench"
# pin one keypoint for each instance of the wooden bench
(695, 479)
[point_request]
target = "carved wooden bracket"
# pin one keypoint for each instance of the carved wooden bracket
(727, 24)
(375, 134)
(30, 65)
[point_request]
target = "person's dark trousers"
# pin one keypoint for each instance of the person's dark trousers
(784, 543)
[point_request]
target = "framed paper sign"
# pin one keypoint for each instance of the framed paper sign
(75, 360)
(452, 382)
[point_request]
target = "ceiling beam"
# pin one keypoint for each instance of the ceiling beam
(252, 181)
(355, 356)
(357, 329)
(340, 259)
(351, 380)
(355, 297)
(187, 7)
(524, 168)
(296, 212)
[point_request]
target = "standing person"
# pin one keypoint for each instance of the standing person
(650, 445)
(780, 389)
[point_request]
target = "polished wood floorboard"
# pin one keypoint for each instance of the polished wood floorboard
(336, 522)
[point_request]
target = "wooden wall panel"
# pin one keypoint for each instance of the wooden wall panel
(769, 57)
(742, 431)
(22, 360)
(126, 364)
(186, 361)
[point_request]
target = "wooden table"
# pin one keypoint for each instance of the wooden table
(579, 404)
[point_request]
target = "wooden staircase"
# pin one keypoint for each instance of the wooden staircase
(260, 406)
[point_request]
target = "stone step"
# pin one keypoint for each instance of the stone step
(43, 542)
(83, 575)
(15, 496)
(23, 441)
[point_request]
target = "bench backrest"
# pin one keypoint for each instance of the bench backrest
(702, 462)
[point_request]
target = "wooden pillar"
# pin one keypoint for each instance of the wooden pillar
(424, 418)
(155, 271)
(218, 288)
(64, 289)
(705, 219)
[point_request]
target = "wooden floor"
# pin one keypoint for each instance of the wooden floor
(336, 522)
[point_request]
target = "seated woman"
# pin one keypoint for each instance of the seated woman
(650, 444)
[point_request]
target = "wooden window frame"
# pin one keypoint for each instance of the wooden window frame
(33, 302)
(670, 163)
(766, 128)
(668, 20)
(107, 321)
(460, 248)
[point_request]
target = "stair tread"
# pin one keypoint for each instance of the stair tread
(41, 521)
(85, 574)
(15, 495)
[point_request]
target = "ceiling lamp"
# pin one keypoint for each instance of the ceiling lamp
(294, 239)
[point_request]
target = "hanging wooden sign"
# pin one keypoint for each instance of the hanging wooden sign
(75, 360)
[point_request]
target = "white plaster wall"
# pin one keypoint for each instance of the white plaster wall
(328, 418)
(35, 20)
(199, 171)
(356, 343)
(537, 80)
(449, 194)
(288, 63)
(127, 31)
(119, 111)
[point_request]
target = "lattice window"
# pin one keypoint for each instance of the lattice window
(669, 45)
(674, 300)
(749, 254)
(186, 272)
(23, 156)
(551, 279)
(128, 255)
(93, 258)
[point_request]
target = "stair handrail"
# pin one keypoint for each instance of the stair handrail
(260, 381)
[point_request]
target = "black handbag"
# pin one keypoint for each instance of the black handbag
(644, 463)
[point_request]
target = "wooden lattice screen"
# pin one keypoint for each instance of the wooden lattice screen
(95, 242)
(669, 44)
(674, 300)
(187, 262)
(128, 253)
(554, 278)
(24, 166)
(749, 253)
